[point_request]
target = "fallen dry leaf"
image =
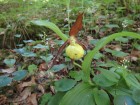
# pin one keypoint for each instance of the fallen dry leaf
(43, 66)
(9, 70)
(3, 99)
(41, 88)
(135, 53)
(24, 95)
(114, 47)
(32, 99)
(27, 84)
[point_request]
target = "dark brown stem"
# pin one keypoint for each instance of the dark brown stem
(53, 62)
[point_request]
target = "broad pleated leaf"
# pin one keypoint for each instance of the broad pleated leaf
(110, 75)
(136, 95)
(102, 81)
(56, 98)
(132, 81)
(101, 97)
(64, 84)
(82, 94)
(124, 100)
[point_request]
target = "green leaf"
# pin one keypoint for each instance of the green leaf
(116, 53)
(17, 35)
(98, 56)
(77, 75)
(122, 39)
(101, 97)
(137, 46)
(48, 58)
(45, 98)
(64, 84)
(112, 25)
(132, 81)
(38, 46)
(57, 68)
(82, 94)
(21, 50)
(100, 44)
(51, 26)
(136, 95)
(120, 91)
(9, 62)
(5, 80)
(110, 75)
(94, 41)
(32, 68)
(28, 41)
(123, 100)
(19, 75)
(55, 100)
(100, 80)
(29, 54)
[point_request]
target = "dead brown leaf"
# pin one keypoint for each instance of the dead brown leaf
(114, 47)
(27, 84)
(43, 66)
(3, 99)
(9, 70)
(41, 88)
(32, 99)
(24, 95)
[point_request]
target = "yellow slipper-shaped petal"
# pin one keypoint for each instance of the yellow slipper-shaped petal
(75, 51)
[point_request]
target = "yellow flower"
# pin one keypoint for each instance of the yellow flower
(75, 51)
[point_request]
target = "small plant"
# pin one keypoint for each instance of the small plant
(90, 91)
